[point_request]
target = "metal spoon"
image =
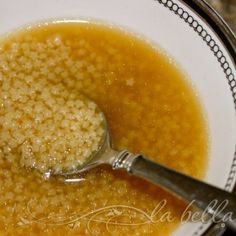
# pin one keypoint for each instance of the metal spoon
(200, 194)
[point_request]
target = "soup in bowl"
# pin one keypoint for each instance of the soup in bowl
(157, 98)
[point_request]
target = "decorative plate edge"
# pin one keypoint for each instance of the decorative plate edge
(215, 48)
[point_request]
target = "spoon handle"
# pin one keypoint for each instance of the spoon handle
(220, 205)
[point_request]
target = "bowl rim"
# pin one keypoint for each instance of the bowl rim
(228, 38)
(217, 23)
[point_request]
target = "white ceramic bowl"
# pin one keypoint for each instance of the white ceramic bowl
(186, 33)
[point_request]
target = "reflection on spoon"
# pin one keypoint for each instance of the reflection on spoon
(76, 180)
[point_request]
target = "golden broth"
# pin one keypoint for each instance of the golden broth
(150, 108)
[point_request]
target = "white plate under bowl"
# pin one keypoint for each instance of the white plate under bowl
(185, 34)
